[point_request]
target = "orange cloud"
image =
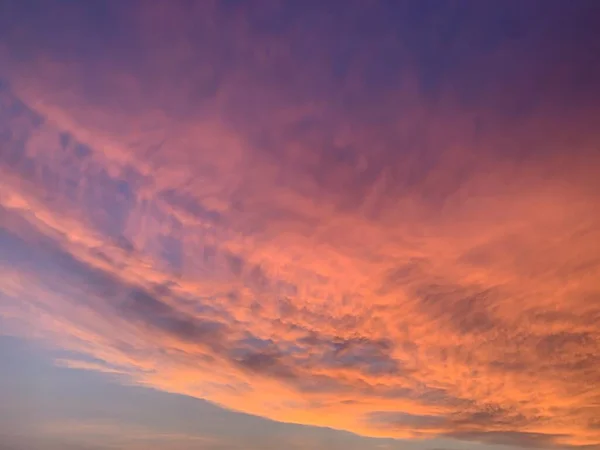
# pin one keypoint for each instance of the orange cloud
(407, 268)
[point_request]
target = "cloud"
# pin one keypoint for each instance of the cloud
(405, 420)
(535, 440)
(90, 433)
(313, 218)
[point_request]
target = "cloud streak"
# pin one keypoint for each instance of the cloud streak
(310, 217)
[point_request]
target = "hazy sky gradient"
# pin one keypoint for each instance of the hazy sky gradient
(379, 217)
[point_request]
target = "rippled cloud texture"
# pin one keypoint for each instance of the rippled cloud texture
(380, 217)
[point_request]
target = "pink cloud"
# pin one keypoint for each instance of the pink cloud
(401, 267)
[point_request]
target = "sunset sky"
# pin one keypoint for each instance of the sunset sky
(299, 224)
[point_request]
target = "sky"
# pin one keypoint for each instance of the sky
(271, 224)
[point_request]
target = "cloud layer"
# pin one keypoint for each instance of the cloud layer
(378, 218)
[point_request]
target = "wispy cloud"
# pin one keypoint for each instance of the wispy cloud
(244, 211)
(115, 435)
